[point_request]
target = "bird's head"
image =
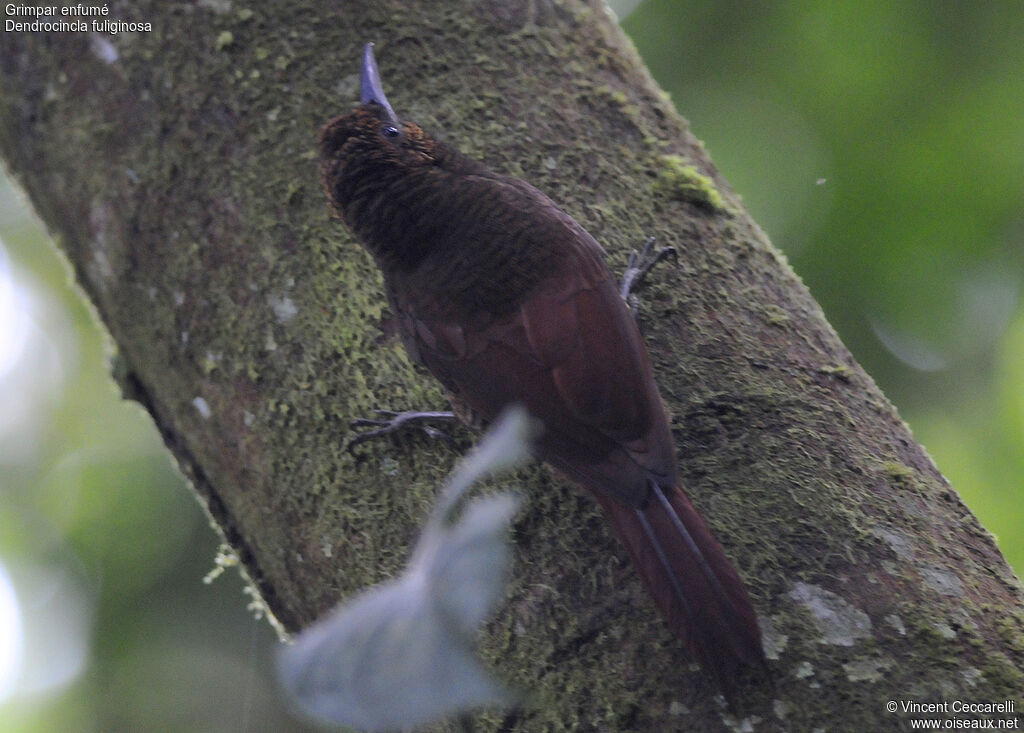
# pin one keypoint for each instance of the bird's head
(372, 131)
(387, 179)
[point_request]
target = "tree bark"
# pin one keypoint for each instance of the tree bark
(177, 170)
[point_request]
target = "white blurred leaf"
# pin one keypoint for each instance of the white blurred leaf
(466, 564)
(402, 653)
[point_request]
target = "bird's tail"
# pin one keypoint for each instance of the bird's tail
(692, 581)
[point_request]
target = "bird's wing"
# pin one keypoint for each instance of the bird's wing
(572, 354)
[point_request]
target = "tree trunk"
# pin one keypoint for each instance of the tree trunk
(177, 170)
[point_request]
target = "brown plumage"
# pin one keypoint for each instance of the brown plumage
(505, 298)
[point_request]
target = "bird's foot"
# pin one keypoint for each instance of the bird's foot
(639, 264)
(391, 422)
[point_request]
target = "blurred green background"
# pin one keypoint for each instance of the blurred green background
(879, 144)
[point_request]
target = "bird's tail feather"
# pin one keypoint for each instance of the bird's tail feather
(692, 582)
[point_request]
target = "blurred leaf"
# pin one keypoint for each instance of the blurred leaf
(402, 653)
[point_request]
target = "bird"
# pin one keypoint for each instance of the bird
(505, 298)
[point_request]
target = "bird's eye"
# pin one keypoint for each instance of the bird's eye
(390, 131)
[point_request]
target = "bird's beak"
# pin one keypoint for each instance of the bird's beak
(372, 90)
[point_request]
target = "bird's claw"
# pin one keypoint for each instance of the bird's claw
(391, 422)
(637, 267)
